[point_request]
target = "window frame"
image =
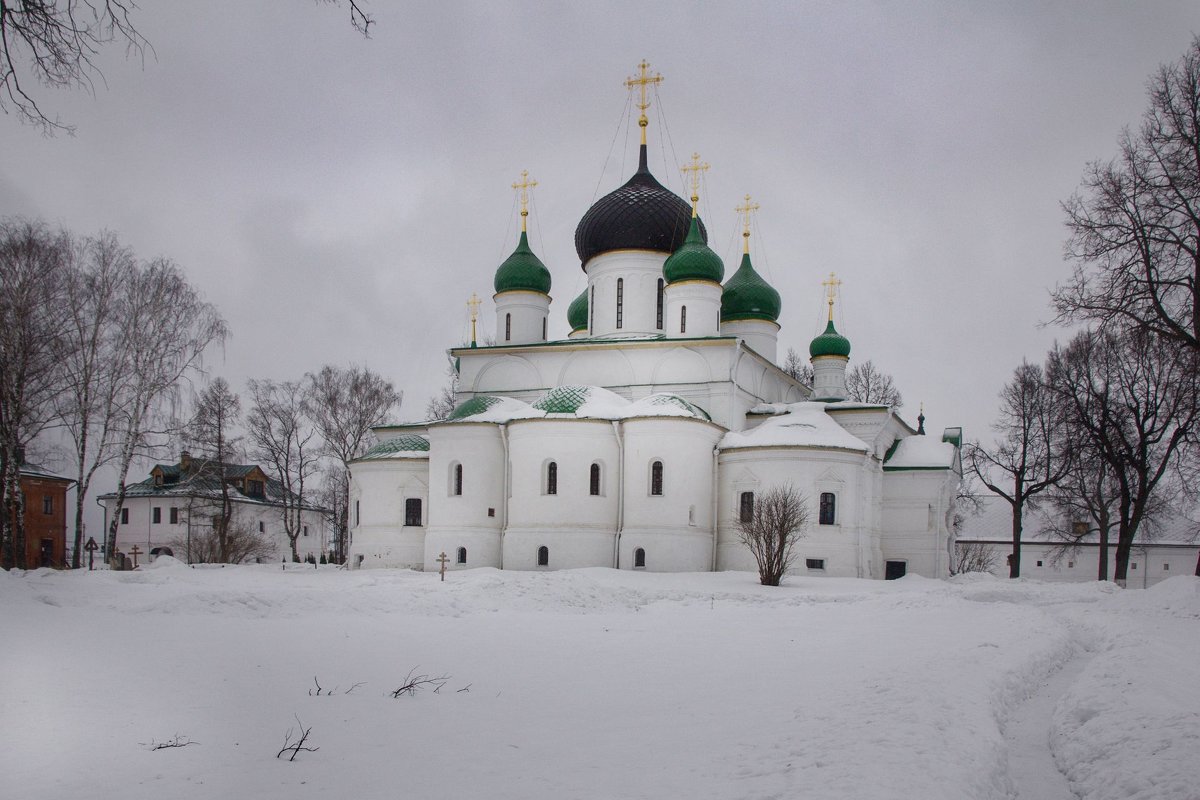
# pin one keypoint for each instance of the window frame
(827, 512)
(662, 289)
(543, 556)
(551, 474)
(639, 558)
(745, 507)
(595, 480)
(408, 512)
(657, 477)
(460, 556)
(620, 303)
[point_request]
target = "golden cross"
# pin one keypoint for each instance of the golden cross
(643, 80)
(831, 291)
(745, 210)
(524, 186)
(695, 168)
(473, 307)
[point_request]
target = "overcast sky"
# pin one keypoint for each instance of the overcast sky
(339, 199)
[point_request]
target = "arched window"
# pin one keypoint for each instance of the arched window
(543, 556)
(456, 479)
(683, 319)
(462, 555)
(639, 559)
(656, 479)
(746, 507)
(552, 478)
(828, 514)
(659, 317)
(508, 327)
(620, 303)
(594, 480)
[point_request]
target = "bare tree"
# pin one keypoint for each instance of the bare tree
(166, 329)
(772, 528)
(973, 557)
(240, 542)
(866, 383)
(1135, 221)
(345, 404)
(213, 432)
(56, 43)
(798, 367)
(283, 437)
(33, 339)
(1133, 397)
(442, 404)
(334, 495)
(89, 405)
(1023, 462)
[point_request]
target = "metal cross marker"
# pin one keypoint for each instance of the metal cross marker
(745, 210)
(91, 547)
(695, 168)
(443, 559)
(473, 307)
(643, 80)
(524, 185)
(135, 551)
(831, 287)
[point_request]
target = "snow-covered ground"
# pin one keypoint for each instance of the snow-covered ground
(595, 684)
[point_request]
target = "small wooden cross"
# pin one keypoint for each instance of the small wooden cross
(443, 559)
(135, 552)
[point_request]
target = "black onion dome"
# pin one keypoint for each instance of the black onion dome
(641, 215)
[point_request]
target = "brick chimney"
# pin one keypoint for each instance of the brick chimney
(185, 461)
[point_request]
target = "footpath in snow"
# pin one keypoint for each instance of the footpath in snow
(595, 684)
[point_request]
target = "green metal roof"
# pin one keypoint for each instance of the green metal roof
(676, 400)
(476, 405)
(748, 296)
(694, 261)
(577, 312)
(829, 343)
(562, 399)
(407, 443)
(523, 271)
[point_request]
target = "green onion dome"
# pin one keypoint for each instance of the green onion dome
(830, 343)
(577, 312)
(523, 271)
(694, 261)
(641, 215)
(748, 296)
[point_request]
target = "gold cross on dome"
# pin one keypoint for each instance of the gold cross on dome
(473, 307)
(745, 210)
(524, 185)
(643, 79)
(831, 287)
(695, 168)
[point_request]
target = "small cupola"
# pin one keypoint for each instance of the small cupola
(522, 285)
(577, 315)
(830, 353)
(750, 306)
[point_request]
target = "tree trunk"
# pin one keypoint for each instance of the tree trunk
(1014, 558)
(1102, 573)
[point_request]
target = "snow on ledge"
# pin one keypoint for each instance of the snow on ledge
(794, 425)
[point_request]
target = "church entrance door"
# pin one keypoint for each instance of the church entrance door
(895, 569)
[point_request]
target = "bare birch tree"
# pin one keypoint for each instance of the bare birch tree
(798, 367)
(866, 383)
(167, 327)
(1023, 462)
(89, 406)
(283, 437)
(344, 404)
(777, 521)
(33, 267)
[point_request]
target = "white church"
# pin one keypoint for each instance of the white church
(639, 440)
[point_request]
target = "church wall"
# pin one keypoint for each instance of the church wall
(675, 527)
(760, 335)
(917, 505)
(576, 526)
(471, 519)
(520, 317)
(640, 271)
(379, 490)
(847, 547)
(703, 302)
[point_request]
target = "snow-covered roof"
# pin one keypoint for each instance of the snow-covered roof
(794, 425)
(575, 402)
(404, 446)
(921, 452)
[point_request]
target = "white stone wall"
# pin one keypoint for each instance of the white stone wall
(760, 335)
(640, 271)
(829, 377)
(379, 491)
(916, 513)
(703, 302)
(528, 312)
(148, 535)
(1155, 561)
(474, 518)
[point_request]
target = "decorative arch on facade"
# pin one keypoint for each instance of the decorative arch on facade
(597, 368)
(506, 374)
(681, 365)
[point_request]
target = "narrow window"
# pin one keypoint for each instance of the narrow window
(1131, 566)
(683, 319)
(1039, 563)
(261, 527)
(814, 563)
(357, 513)
(306, 530)
(47, 504)
(543, 329)
(592, 311)
(828, 513)
(124, 516)
(456, 489)
(543, 556)
(174, 515)
(1166, 567)
(412, 512)
(656, 479)
(462, 554)
(746, 507)
(156, 515)
(1070, 565)
(620, 303)
(552, 478)
(594, 481)
(639, 559)
(659, 316)
(507, 327)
